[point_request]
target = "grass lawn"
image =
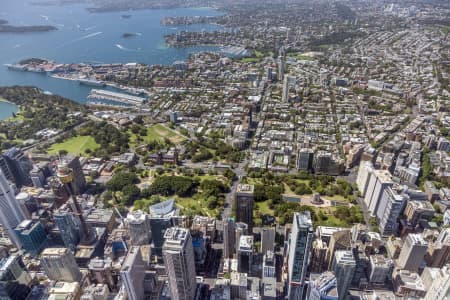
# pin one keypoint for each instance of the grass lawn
(264, 208)
(250, 59)
(338, 198)
(76, 145)
(221, 178)
(195, 206)
(157, 133)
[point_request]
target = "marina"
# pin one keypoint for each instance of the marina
(116, 97)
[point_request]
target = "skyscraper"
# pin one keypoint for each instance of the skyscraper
(244, 205)
(32, 236)
(344, 266)
(18, 165)
(413, 252)
(10, 212)
(68, 226)
(132, 274)
(305, 158)
(378, 182)
(60, 264)
(139, 227)
(14, 279)
(178, 254)
(440, 288)
(281, 67)
(287, 82)
(391, 206)
(161, 217)
(300, 243)
(229, 238)
(364, 173)
(240, 229)
(245, 254)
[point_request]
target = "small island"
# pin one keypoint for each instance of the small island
(6, 28)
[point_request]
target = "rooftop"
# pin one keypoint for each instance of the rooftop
(303, 220)
(162, 208)
(246, 243)
(175, 237)
(54, 251)
(245, 188)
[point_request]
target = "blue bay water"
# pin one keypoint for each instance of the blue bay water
(88, 37)
(7, 109)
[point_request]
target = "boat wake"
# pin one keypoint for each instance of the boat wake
(91, 35)
(44, 17)
(126, 49)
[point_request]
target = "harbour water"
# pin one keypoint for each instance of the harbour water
(88, 37)
(7, 109)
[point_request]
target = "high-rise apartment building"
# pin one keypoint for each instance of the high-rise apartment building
(378, 182)
(392, 205)
(178, 255)
(364, 173)
(300, 243)
(60, 264)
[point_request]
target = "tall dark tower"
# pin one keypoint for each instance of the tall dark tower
(244, 205)
(65, 175)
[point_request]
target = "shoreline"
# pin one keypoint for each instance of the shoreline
(9, 117)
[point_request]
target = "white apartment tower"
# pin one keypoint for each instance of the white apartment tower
(378, 182)
(362, 180)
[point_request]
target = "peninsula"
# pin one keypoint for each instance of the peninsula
(6, 28)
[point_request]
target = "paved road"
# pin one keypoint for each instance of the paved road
(240, 172)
